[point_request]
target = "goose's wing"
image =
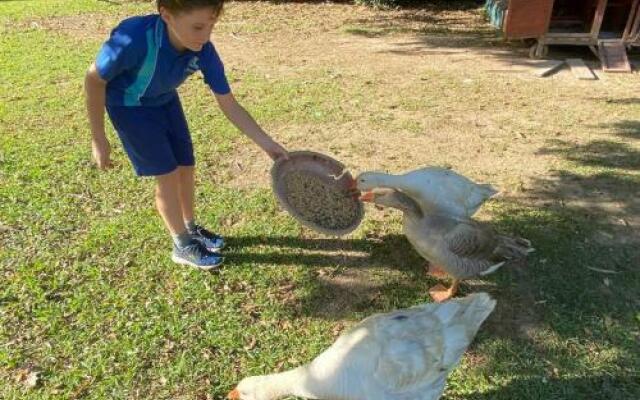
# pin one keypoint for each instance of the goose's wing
(421, 345)
(470, 239)
(442, 189)
(437, 189)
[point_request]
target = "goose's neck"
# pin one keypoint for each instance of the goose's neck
(408, 206)
(412, 210)
(290, 383)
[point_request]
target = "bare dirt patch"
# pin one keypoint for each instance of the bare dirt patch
(85, 26)
(346, 291)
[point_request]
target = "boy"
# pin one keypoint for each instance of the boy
(135, 77)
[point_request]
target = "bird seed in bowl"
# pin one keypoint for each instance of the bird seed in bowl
(316, 190)
(318, 201)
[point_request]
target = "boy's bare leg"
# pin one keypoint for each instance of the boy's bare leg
(187, 250)
(212, 241)
(168, 201)
(186, 182)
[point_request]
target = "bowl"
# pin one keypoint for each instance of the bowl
(315, 189)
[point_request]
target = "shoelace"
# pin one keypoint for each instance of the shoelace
(204, 232)
(196, 250)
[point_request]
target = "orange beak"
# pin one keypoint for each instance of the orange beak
(233, 395)
(367, 196)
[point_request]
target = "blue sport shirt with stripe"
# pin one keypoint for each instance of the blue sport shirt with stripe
(142, 68)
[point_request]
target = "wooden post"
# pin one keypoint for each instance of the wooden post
(633, 14)
(597, 20)
(634, 35)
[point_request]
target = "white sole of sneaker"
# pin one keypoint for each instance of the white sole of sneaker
(189, 263)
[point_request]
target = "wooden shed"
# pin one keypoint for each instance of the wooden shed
(608, 27)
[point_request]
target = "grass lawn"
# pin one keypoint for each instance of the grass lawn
(91, 303)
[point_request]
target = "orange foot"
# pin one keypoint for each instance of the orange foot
(436, 271)
(439, 293)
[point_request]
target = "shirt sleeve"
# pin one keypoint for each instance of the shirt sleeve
(121, 52)
(213, 70)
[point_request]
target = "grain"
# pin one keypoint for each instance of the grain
(318, 201)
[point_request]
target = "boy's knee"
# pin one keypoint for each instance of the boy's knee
(168, 179)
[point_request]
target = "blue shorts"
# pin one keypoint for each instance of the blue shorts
(156, 139)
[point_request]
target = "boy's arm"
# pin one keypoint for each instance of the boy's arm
(95, 90)
(247, 125)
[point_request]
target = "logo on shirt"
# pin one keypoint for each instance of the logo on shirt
(193, 66)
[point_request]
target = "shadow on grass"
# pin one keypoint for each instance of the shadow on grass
(293, 250)
(594, 387)
(342, 271)
(453, 27)
(628, 128)
(627, 101)
(435, 24)
(597, 153)
(440, 28)
(582, 285)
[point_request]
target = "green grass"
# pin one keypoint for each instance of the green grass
(12, 11)
(90, 299)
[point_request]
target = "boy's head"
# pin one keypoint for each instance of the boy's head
(190, 21)
(177, 6)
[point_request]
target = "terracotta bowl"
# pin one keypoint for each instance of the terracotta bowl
(321, 200)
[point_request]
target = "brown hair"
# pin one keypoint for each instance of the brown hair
(176, 6)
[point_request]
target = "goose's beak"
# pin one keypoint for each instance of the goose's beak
(367, 196)
(233, 395)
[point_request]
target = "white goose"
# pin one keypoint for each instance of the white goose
(433, 188)
(402, 355)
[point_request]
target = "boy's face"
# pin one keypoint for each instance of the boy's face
(190, 29)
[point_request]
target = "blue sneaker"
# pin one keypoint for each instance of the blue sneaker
(213, 242)
(196, 255)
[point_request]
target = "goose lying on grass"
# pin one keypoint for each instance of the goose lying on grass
(401, 355)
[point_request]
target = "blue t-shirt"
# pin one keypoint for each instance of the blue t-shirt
(141, 66)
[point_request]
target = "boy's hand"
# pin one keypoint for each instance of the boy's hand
(101, 151)
(276, 152)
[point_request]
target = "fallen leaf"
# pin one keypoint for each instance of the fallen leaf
(29, 377)
(608, 321)
(337, 329)
(285, 325)
(251, 345)
(286, 288)
(604, 271)
(33, 380)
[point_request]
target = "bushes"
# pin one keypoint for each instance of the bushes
(379, 3)
(462, 4)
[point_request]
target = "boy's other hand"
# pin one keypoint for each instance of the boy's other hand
(101, 151)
